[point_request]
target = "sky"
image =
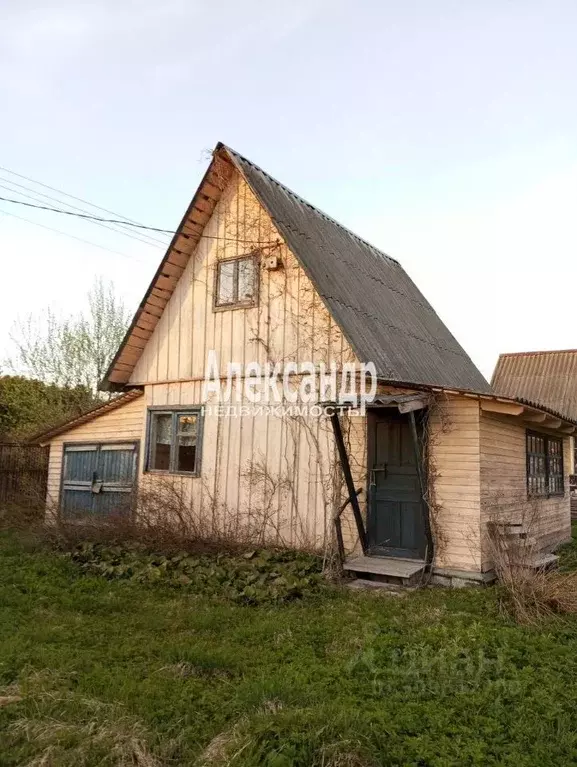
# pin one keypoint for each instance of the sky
(445, 133)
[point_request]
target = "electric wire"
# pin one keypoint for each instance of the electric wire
(65, 194)
(131, 235)
(89, 217)
(73, 237)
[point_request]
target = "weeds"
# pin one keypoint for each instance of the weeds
(164, 520)
(257, 577)
(114, 672)
(531, 593)
(66, 729)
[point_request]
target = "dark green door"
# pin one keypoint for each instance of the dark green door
(395, 517)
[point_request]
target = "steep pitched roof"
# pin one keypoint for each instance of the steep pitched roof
(546, 378)
(383, 315)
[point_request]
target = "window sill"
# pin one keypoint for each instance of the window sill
(233, 307)
(167, 473)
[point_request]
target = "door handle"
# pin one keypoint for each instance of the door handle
(381, 467)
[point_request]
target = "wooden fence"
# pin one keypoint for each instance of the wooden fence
(23, 473)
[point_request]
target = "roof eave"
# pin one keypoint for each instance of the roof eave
(117, 385)
(46, 436)
(529, 407)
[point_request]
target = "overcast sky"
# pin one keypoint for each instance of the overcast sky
(445, 133)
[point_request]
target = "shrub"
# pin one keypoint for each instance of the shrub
(530, 593)
(256, 577)
(163, 519)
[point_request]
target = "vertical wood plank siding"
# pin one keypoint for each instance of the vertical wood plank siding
(504, 484)
(253, 466)
(256, 470)
(290, 323)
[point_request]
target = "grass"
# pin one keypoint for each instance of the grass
(97, 672)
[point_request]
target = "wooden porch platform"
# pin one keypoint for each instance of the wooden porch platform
(388, 569)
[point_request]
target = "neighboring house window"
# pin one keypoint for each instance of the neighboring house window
(544, 465)
(174, 441)
(237, 282)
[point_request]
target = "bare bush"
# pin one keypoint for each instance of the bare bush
(531, 591)
(163, 519)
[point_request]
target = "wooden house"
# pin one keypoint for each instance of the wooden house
(255, 276)
(548, 378)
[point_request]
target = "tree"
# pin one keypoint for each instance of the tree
(28, 406)
(71, 351)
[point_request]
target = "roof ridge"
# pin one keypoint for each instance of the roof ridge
(536, 353)
(302, 200)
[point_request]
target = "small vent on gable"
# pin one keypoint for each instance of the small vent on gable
(272, 263)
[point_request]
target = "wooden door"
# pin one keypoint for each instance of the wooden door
(395, 514)
(98, 479)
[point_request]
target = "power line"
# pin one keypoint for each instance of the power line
(73, 237)
(85, 215)
(71, 196)
(37, 194)
(131, 235)
(89, 217)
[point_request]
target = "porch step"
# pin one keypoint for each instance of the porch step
(362, 584)
(546, 562)
(510, 541)
(403, 572)
(540, 562)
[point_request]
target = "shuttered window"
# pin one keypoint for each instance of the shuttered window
(544, 465)
(174, 441)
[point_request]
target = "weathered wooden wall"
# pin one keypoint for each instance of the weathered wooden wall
(290, 323)
(454, 478)
(124, 423)
(504, 484)
(257, 469)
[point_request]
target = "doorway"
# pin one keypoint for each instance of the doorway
(395, 524)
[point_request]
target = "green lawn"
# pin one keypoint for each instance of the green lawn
(97, 672)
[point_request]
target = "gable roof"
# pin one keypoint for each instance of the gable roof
(89, 415)
(545, 378)
(383, 315)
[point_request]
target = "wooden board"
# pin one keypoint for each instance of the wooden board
(390, 566)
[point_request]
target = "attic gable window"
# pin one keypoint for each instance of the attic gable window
(236, 282)
(544, 465)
